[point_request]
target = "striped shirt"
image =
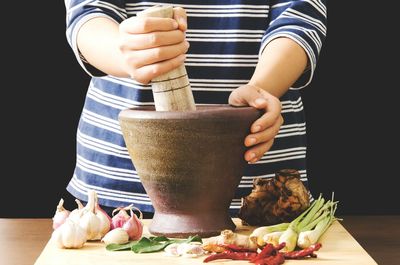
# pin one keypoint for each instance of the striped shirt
(226, 38)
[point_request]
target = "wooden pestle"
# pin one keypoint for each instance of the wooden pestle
(171, 91)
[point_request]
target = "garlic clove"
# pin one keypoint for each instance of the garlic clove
(116, 236)
(190, 250)
(172, 250)
(60, 215)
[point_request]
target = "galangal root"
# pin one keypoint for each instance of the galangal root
(275, 200)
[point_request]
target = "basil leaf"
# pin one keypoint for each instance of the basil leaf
(120, 247)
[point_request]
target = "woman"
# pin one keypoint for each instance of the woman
(241, 52)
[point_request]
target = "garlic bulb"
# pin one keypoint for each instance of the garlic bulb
(69, 235)
(104, 218)
(93, 221)
(76, 214)
(116, 236)
(60, 215)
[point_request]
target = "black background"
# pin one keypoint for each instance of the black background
(351, 110)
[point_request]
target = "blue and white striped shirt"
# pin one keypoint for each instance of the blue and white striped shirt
(226, 38)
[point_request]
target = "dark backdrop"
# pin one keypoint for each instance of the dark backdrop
(350, 107)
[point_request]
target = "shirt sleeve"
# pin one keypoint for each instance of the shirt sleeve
(303, 21)
(80, 11)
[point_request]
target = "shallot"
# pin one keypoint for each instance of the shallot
(130, 223)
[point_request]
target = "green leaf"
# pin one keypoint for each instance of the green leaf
(153, 244)
(120, 247)
(160, 238)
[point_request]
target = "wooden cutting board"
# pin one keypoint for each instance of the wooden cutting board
(338, 247)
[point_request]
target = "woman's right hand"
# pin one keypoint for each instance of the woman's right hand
(153, 46)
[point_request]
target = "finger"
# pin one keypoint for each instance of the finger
(272, 114)
(181, 17)
(151, 40)
(140, 25)
(255, 153)
(155, 55)
(146, 73)
(244, 96)
(265, 135)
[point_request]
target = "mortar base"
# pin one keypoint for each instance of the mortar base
(185, 225)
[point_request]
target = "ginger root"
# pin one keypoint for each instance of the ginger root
(275, 200)
(228, 237)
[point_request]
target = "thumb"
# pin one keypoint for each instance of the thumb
(248, 95)
(181, 18)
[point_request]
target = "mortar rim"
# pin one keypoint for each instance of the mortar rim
(203, 111)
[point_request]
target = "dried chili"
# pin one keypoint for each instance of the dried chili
(307, 252)
(235, 248)
(265, 252)
(231, 255)
(276, 259)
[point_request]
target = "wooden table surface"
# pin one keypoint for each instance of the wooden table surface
(22, 240)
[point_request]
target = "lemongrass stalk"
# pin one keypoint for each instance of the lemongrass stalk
(289, 236)
(326, 206)
(272, 238)
(309, 237)
(296, 221)
(307, 218)
(315, 222)
(257, 235)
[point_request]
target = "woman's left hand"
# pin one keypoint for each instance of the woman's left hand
(264, 129)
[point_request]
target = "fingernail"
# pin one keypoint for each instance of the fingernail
(252, 141)
(252, 156)
(182, 21)
(257, 128)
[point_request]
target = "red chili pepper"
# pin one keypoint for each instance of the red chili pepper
(231, 255)
(298, 254)
(280, 246)
(272, 260)
(265, 252)
(235, 248)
